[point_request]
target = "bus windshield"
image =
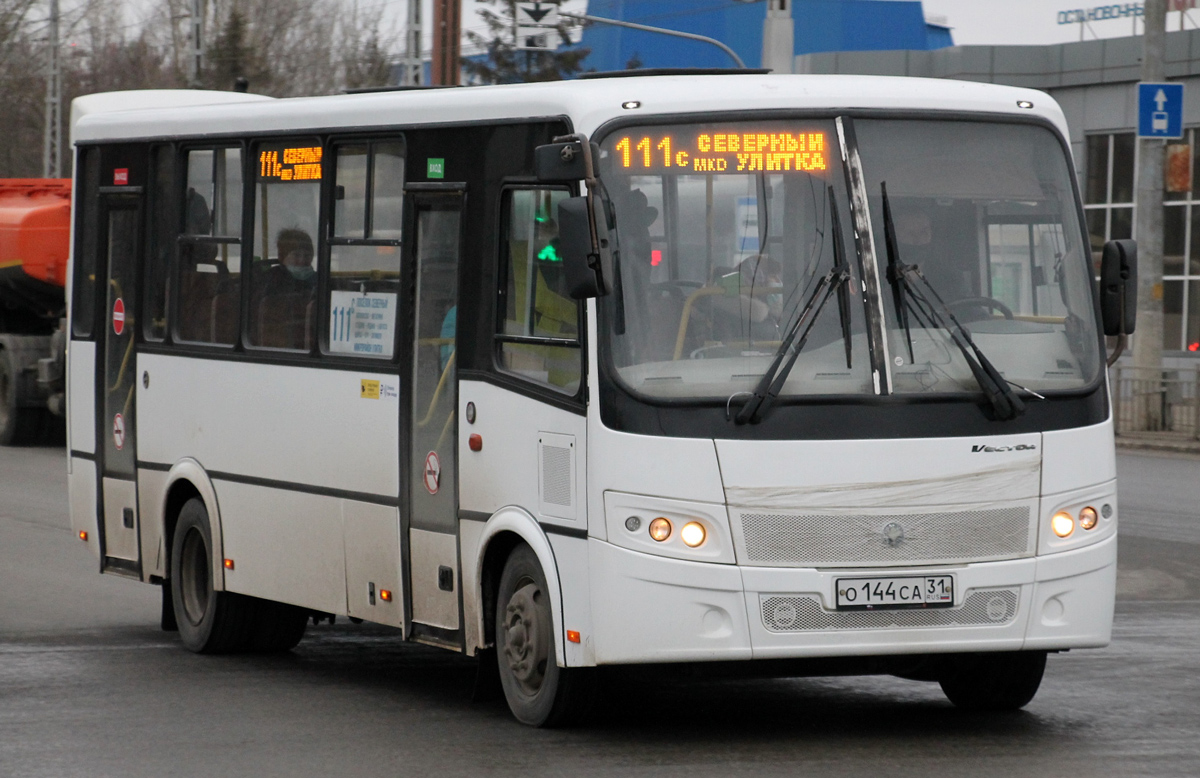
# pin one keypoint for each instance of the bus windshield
(724, 229)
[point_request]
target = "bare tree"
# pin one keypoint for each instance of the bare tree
(505, 64)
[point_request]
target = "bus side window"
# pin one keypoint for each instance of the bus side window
(535, 304)
(162, 235)
(210, 250)
(87, 204)
(364, 248)
(283, 273)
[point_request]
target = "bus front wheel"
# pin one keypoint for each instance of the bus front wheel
(539, 692)
(210, 622)
(993, 682)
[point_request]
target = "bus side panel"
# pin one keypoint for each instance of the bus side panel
(81, 490)
(283, 446)
(284, 545)
(81, 405)
(151, 494)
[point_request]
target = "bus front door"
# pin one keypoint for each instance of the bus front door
(436, 222)
(120, 223)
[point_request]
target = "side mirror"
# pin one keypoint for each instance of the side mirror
(560, 163)
(1118, 287)
(589, 271)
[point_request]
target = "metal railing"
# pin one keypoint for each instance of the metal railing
(1163, 402)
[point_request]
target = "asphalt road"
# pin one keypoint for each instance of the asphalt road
(90, 687)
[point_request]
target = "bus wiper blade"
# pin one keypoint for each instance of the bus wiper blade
(772, 380)
(1004, 401)
(894, 275)
(843, 290)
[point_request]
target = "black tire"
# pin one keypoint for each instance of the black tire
(538, 691)
(17, 425)
(209, 622)
(278, 627)
(993, 682)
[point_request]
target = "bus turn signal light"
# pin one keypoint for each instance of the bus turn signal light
(475, 442)
(660, 529)
(572, 636)
(228, 564)
(1062, 524)
(1088, 518)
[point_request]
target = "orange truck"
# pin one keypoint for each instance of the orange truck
(35, 228)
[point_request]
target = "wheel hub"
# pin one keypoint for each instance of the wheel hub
(526, 647)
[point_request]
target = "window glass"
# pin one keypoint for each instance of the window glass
(388, 191)
(283, 276)
(210, 256)
(536, 304)
(1122, 165)
(83, 310)
(1025, 296)
(350, 193)
(1172, 314)
(163, 227)
(1174, 235)
(1122, 224)
(1096, 190)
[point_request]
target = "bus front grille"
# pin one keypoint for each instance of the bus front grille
(856, 540)
(803, 612)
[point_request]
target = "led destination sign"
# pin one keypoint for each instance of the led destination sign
(289, 163)
(723, 152)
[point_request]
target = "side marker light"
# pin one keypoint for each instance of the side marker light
(83, 535)
(1062, 524)
(385, 595)
(1088, 518)
(228, 564)
(572, 636)
(660, 529)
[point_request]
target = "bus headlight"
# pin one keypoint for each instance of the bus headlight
(693, 534)
(1062, 524)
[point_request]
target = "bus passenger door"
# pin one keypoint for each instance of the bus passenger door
(120, 225)
(432, 384)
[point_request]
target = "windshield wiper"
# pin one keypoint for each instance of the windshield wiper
(1006, 405)
(793, 342)
(839, 260)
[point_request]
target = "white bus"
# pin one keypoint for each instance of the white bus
(702, 368)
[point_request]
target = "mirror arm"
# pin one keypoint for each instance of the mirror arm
(1119, 349)
(592, 182)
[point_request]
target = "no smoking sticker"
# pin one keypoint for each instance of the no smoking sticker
(433, 472)
(119, 430)
(118, 317)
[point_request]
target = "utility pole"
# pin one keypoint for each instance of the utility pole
(447, 31)
(410, 72)
(52, 136)
(779, 37)
(1148, 337)
(196, 44)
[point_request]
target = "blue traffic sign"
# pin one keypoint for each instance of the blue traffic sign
(1160, 110)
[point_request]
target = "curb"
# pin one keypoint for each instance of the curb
(1186, 448)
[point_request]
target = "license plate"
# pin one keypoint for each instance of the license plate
(912, 591)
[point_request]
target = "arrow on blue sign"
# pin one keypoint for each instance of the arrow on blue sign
(1160, 110)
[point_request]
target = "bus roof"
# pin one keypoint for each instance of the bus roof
(589, 104)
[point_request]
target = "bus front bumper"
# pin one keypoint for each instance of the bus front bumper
(647, 608)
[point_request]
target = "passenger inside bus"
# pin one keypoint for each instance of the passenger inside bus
(285, 292)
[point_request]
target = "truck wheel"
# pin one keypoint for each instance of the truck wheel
(278, 627)
(993, 682)
(539, 692)
(17, 425)
(210, 622)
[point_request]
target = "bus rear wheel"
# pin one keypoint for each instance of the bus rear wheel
(210, 622)
(993, 682)
(538, 691)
